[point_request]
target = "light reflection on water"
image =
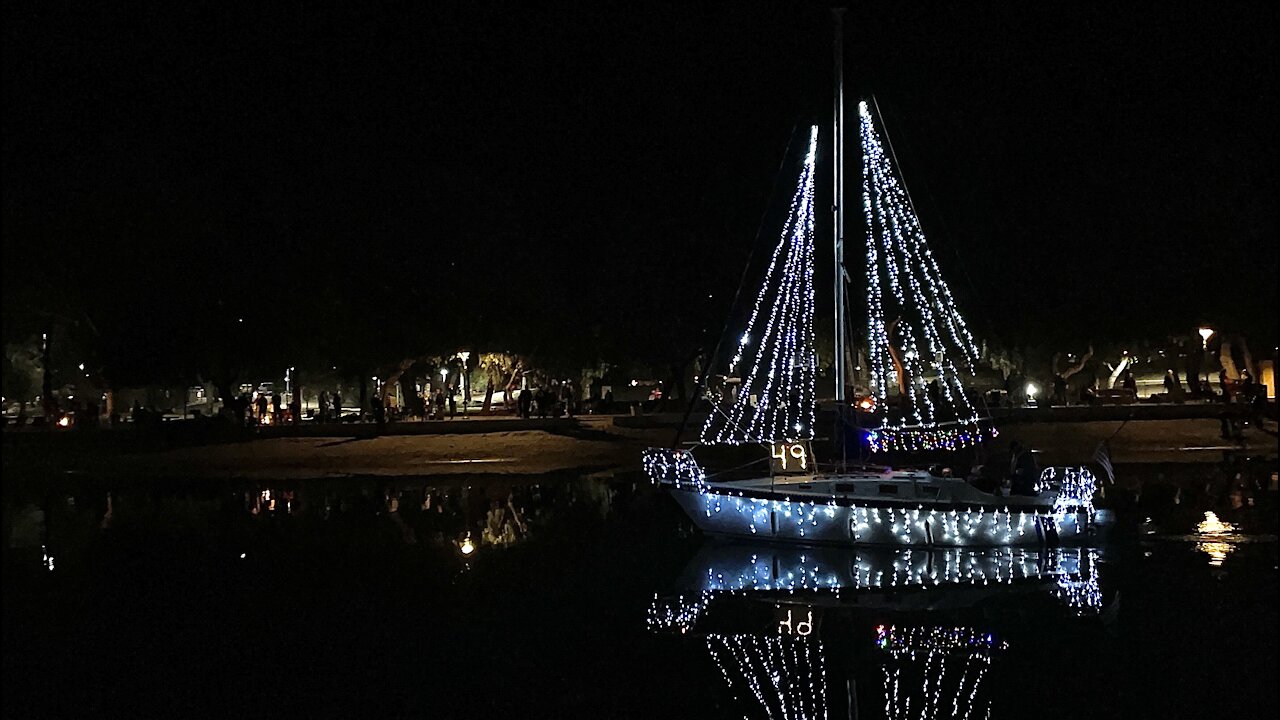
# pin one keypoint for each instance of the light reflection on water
(897, 633)
(1217, 538)
(782, 668)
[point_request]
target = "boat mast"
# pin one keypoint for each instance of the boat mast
(838, 207)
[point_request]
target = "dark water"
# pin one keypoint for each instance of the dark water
(594, 598)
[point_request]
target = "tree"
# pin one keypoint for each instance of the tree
(1066, 374)
(22, 371)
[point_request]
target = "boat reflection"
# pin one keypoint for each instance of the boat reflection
(909, 628)
(784, 676)
(930, 579)
(937, 669)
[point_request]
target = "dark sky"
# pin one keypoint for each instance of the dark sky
(357, 183)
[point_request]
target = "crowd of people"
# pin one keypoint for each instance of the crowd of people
(552, 400)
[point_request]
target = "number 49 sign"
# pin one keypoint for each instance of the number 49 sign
(793, 457)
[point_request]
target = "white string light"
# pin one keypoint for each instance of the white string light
(774, 400)
(785, 675)
(897, 255)
(970, 649)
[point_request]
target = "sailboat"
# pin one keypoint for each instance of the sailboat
(918, 349)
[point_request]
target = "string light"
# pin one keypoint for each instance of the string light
(1075, 488)
(1064, 510)
(674, 467)
(785, 675)
(972, 650)
(775, 399)
(898, 256)
(1070, 574)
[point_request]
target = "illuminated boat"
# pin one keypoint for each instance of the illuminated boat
(917, 345)
(864, 507)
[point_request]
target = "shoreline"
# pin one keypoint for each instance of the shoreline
(500, 447)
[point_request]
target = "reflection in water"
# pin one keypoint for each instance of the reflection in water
(744, 569)
(940, 669)
(465, 517)
(1216, 536)
(785, 676)
(922, 670)
(465, 520)
(1080, 589)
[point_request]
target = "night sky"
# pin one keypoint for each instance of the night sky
(362, 185)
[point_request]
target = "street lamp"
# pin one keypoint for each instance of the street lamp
(1205, 334)
(466, 380)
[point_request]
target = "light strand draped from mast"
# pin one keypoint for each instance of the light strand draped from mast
(931, 335)
(774, 363)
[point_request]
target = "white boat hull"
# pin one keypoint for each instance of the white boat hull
(831, 522)
(902, 508)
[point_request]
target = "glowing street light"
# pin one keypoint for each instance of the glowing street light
(1205, 334)
(465, 355)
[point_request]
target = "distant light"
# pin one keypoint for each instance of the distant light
(1205, 334)
(64, 421)
(81, 366)
(242, 556)
(1032, 389)
(240, 320)
(1212, 525)
(467, 547)
(1213, 535)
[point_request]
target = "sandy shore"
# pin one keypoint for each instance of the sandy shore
(514, 452)
(591, 447)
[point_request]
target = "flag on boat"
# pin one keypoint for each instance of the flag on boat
(1103, 458)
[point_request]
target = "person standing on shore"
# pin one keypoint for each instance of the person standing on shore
(526, 403)
(1130, 382)
(1059, 390)
(566, 396)
(337, 406)
(322, 411)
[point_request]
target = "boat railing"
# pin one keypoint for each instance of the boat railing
(666, 466)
